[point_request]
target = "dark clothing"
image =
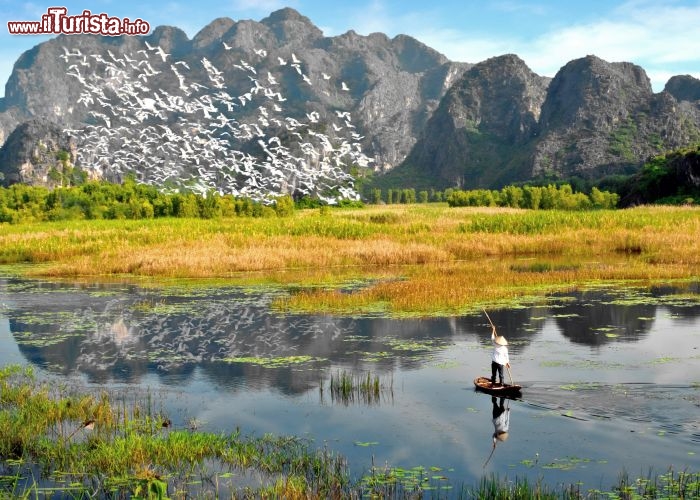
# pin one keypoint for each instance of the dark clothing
(495, 367)
(497, 409)
(501, 417)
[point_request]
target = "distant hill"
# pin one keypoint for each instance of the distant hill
(425, 121)
(501, 123)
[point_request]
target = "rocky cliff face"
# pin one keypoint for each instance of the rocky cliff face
(38, 153)
(453, 124)
(502, 123)
(394, 84)
(602, 118)
(482, 122)
(683, 88)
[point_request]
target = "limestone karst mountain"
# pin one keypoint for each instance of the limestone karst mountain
(484, 126)
(388, 86)
(422, 119)
(501, 123)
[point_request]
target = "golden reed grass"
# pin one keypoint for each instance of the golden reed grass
(425, 259)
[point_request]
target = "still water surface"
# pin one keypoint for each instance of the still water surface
(611, 376)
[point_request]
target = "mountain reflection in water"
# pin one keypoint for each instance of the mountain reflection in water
(122, 332)
(610, 376)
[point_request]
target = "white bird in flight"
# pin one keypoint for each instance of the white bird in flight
(190, 134)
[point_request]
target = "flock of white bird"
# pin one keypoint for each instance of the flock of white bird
(208, 137)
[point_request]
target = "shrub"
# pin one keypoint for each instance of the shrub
(284, 206)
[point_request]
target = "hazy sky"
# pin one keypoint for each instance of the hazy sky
(662, 36)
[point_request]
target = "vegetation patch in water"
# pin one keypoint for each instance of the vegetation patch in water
(567, 463)
(584, 364)
(582, 386)
(446, 365)
(382, 480)
(373, 357)
(54, 441)
(276, 362)
(366, 444)
(43, 340)
(347, 388)
(420, 349)
(421, 260)
(662, 361)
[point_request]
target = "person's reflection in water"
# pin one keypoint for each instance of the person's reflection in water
(501, 421)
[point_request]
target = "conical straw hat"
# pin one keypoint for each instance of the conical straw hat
(501, 340)
(502, 436)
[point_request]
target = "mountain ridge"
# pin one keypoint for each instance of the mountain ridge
(593, 119)
(457, 124)
(379, 71)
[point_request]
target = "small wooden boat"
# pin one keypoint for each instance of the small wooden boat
(484, 384)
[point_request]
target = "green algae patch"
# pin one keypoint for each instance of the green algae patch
(567, 463)
(274, 362)
(583, 386)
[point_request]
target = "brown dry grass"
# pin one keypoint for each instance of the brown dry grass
(426, 259)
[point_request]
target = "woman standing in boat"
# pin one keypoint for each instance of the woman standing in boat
(499, 358)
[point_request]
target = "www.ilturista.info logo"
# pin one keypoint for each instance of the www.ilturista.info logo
(57, 21)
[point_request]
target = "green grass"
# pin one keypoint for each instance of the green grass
(108, 446)
(347, 388)
(412, 260)
(58, 441)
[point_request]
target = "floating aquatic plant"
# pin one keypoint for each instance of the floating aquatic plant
(273, 362)
(582, 386)
(567, 463)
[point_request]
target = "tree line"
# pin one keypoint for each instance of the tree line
(130, 200)
(666, 178)
(552, 196)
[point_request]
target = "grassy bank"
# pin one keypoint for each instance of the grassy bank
(63, 442)
(410, 259)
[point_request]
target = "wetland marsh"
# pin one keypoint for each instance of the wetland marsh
(602, 311)
(610, 375)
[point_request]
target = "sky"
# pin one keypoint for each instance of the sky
(661, 36)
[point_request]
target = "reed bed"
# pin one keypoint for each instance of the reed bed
(417, 259)
(111, 448)
(60, 442)
(348, 388)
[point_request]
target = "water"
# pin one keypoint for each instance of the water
(611, 376)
